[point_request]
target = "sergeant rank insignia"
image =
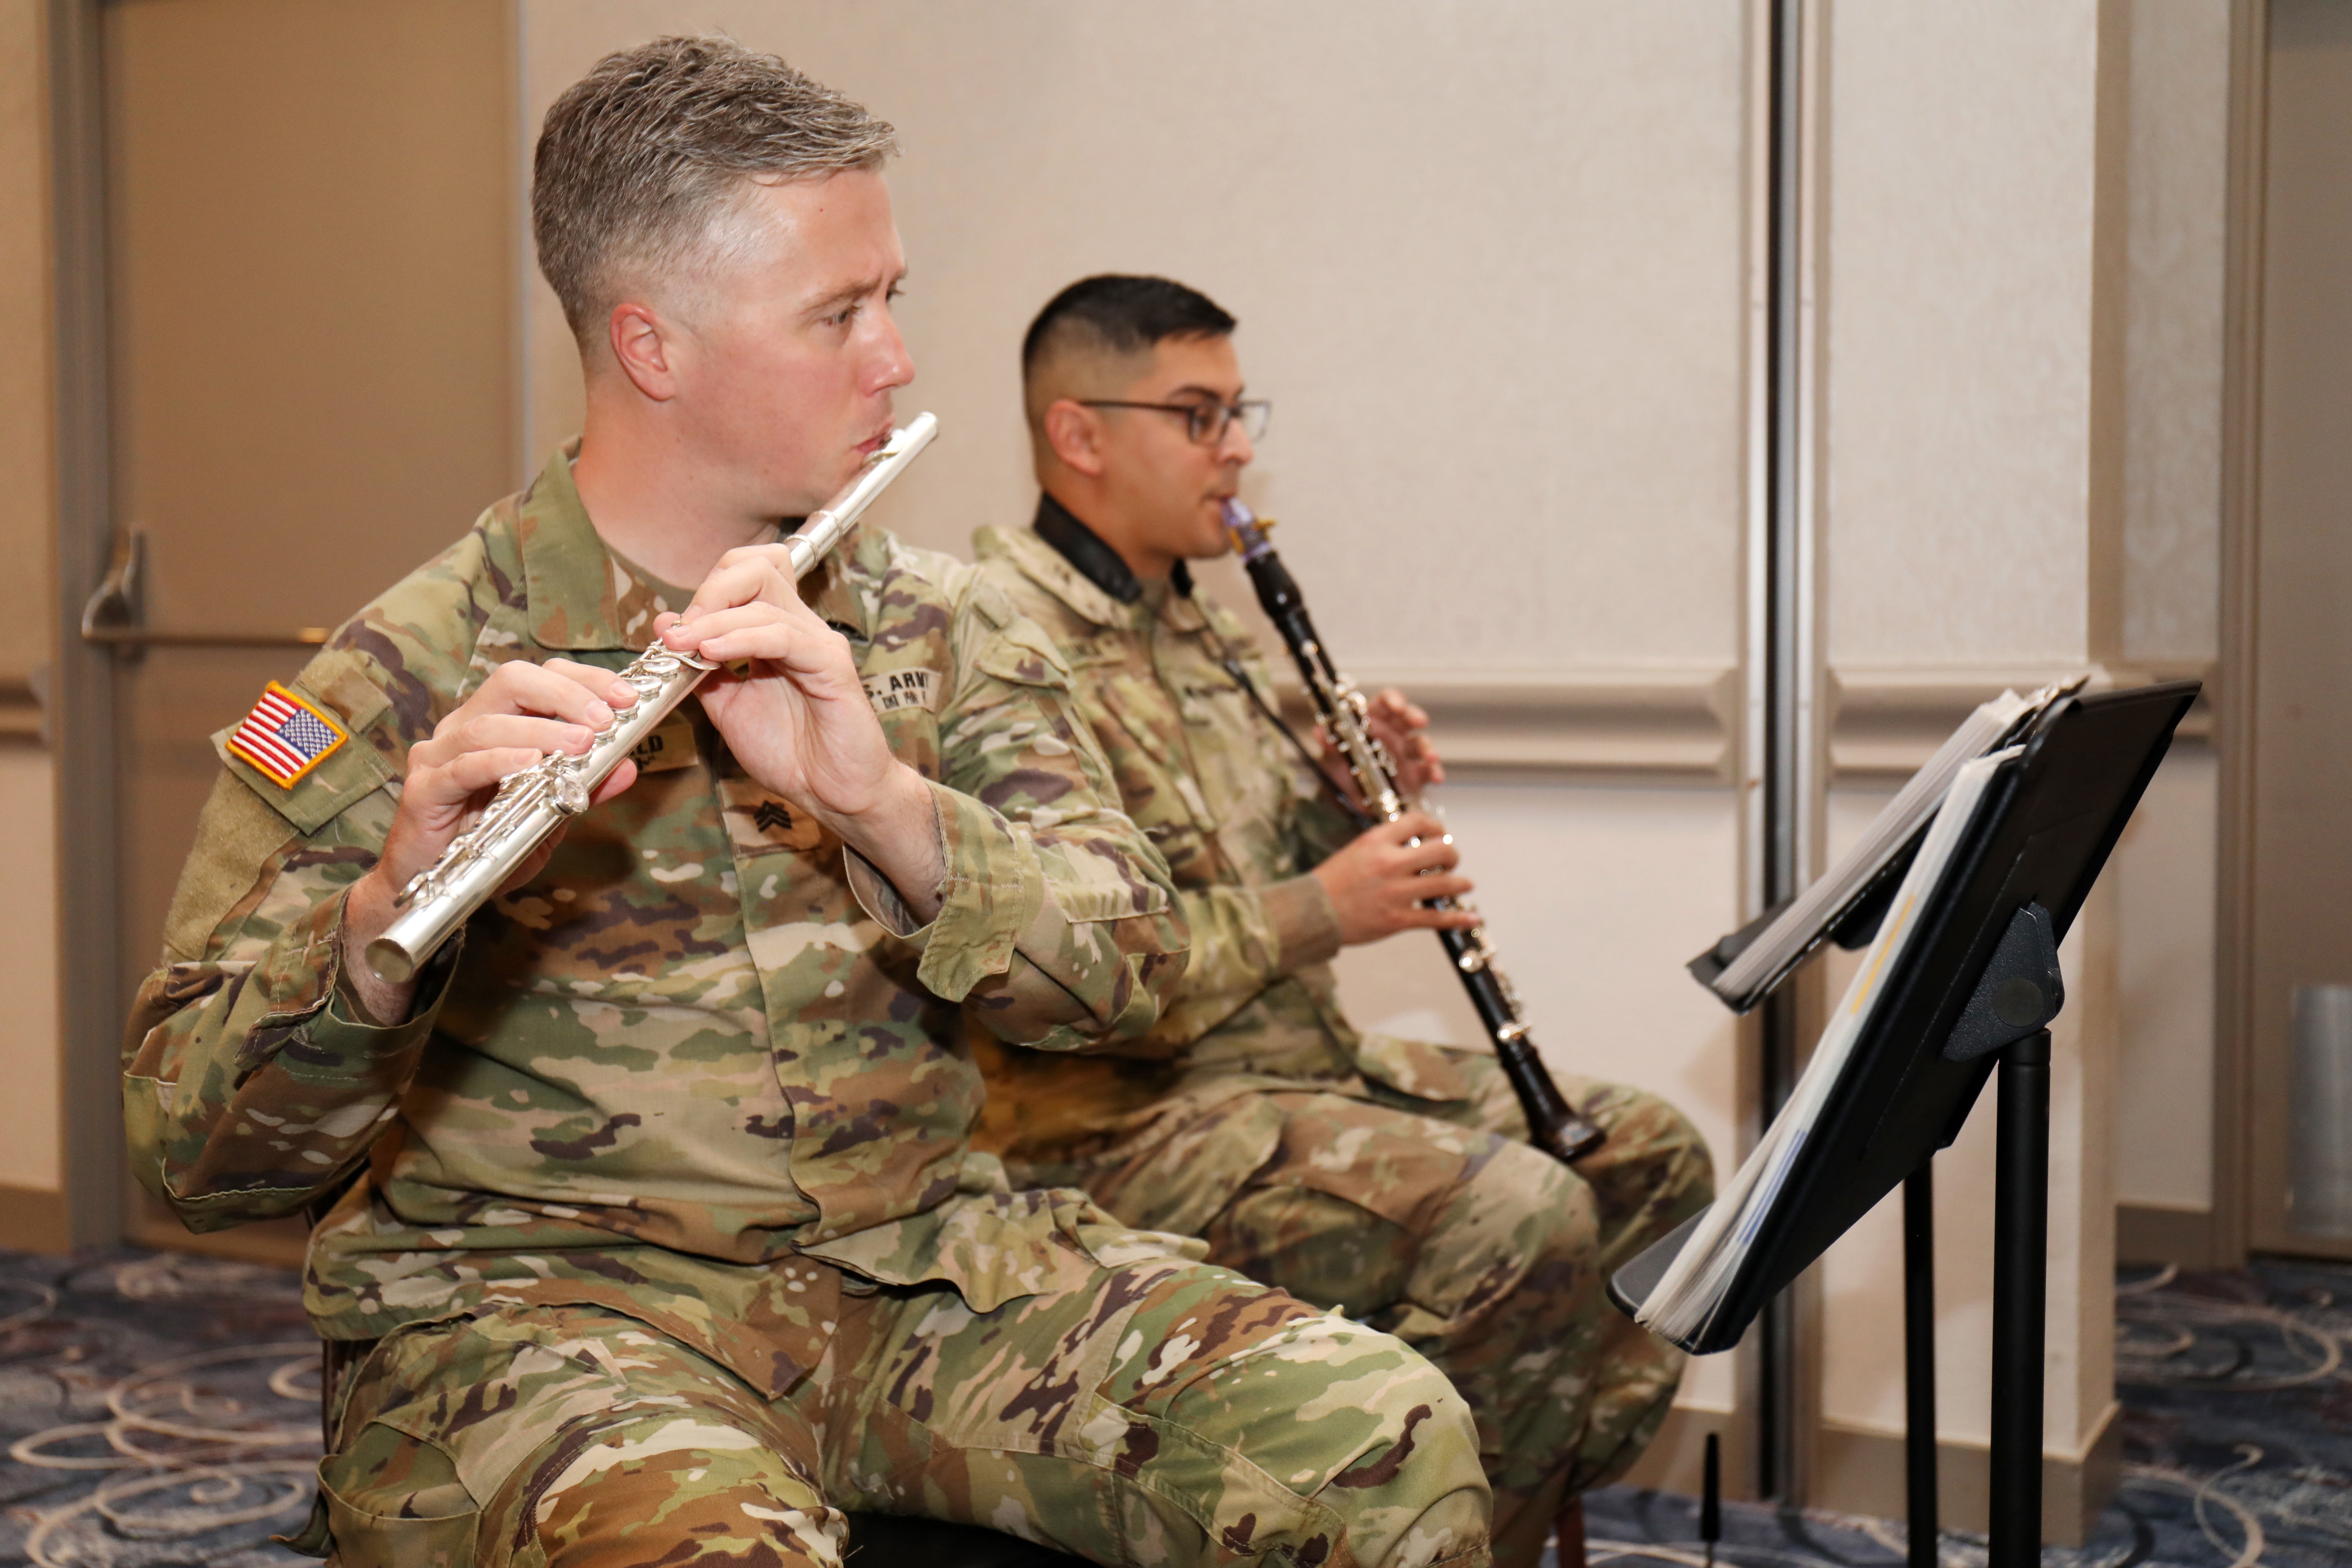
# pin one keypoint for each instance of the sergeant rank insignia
(285, 736)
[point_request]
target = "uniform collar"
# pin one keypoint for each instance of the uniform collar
(582, 597)
(1081, 561)
(578, 595)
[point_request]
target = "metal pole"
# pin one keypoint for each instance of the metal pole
(86, 704)
(1783, 644)
(1920, 1360)
(2020, 1291)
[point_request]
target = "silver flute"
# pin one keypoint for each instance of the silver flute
(535, 801)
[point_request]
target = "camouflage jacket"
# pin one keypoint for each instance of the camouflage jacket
(705, 1037)
(1241, 819)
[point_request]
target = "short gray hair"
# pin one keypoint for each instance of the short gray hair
(640, 157)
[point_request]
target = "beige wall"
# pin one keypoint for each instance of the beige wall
(2171, 567)
(1958, 293)
(1964, 526)
(24, 425)
(29, 1112)
(1485, 259)
(1962, 166)
(2164, 1066)
(28, 1037)
(2172, 465)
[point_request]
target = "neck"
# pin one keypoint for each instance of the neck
(653, 501)
(1100, 512)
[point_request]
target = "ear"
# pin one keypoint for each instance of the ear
(1075, 434)
(641, 347)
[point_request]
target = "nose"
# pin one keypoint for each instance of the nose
(1238, 450)
(892, 367)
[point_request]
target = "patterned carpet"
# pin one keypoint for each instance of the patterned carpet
(163, 1410)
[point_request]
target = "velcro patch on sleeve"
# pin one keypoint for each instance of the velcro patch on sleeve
(285, 736)
(896, 688)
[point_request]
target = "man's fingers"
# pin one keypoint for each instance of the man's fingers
(791, 634)
(616, 781)
(471, 771)
(532, 864)
(1438, 885)
(494, 731)
(1394, 704)
(1421, 917)
(734, 618)
(734, 581)
(1430, 855)
(597, 680)
(1415, 824)
(754, 572)
(557, 689)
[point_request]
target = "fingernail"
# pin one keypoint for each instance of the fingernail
(599, 715)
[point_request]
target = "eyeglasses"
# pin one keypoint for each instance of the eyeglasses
(1205, 422)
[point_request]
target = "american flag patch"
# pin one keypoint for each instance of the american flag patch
(285, 737)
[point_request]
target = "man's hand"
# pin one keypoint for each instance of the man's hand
(522, 714)
(1378, 883)
(799, 721)
(1398, 726)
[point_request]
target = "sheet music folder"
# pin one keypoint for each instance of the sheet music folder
(2046, 824)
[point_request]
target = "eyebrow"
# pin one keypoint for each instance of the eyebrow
(1198, 391)
(848, 292)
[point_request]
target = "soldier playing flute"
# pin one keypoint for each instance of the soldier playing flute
(663, 1241)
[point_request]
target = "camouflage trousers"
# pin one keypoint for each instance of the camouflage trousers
(1432, 1221)
(1169, 1414)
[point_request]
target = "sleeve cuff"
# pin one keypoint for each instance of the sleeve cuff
(879, 897)
(991, 888)
(1306, 928)
(344, 1037)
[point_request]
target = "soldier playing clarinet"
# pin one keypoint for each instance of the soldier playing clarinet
(1385, 1177)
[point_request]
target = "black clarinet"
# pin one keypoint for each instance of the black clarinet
(1553, 1124)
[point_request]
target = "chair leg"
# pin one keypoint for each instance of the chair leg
(1568, 1530)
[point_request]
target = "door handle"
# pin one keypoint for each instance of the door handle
(116, 613)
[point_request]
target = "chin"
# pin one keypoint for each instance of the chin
(825, 480)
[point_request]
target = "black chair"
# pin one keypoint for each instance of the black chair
(886, 1540)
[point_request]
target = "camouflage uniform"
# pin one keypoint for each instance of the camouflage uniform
(669, 1238)
(1385, 1177)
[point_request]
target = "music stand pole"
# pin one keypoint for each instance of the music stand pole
(1919, 1362)
(2020, 1294)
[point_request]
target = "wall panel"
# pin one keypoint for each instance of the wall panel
(1959, 335)
(1486, 257)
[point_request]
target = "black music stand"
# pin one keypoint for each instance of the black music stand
(1977, 985)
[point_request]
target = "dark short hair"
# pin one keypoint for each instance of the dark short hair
(638, 157)
(1122, 315)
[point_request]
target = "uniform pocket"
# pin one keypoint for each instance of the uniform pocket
(395, 1501)
(1412, 1068)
